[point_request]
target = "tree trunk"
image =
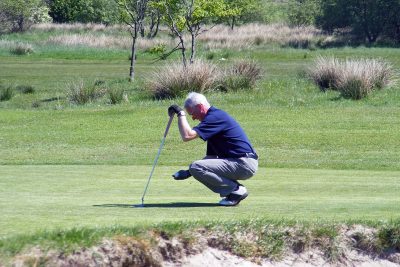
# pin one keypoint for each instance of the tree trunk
(193, 48)
(183, 51)
(157, 25)
(152, 24)
(233, 22)
(142, 31)
(133, 54)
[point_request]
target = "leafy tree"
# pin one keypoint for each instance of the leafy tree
(304, 12)
(368, 19)
(153, 19)
(191, 16)
(96, 11)
(243, 10)
(19, 15)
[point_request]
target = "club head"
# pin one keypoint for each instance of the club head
(138, 206)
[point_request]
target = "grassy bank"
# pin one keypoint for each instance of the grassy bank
(256, 240)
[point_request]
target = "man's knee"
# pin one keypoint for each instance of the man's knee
(196, 168)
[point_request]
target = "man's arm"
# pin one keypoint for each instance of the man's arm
(187, 133)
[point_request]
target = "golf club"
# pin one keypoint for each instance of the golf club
(156, 159)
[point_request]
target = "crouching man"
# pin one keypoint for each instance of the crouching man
(230, 156)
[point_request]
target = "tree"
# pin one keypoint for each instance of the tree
(154, 18)
(19, 15)
(133, 13)
(96, 11)
(191, 16)
(304, 12)
(240, 9)
(368, 19)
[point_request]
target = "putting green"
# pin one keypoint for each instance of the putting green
(56, 197)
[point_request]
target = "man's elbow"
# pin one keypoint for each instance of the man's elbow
(187, 138)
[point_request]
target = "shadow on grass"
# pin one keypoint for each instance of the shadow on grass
(160, 205)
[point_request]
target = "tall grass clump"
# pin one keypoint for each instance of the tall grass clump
(116, 95)
(26, 89)
(242, 75)
(80, 93)
(175, 81)
(353, 78)
(6, 93)
(21, 49)
(325, 72)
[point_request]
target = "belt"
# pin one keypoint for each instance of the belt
(251, 155)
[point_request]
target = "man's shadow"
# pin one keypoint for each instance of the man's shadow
(160, 205)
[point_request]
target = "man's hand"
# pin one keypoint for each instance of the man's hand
(174, 109)
(181, 175)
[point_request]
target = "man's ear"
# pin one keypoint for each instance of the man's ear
(202, 108)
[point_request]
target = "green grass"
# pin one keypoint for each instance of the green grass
(71, 172)
(37, 198)
(347, 136)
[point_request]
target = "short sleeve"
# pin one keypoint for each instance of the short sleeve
(208, 128)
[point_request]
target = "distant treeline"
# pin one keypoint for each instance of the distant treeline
(366, 21)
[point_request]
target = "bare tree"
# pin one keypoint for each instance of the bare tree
(191, 16)
(133, 13)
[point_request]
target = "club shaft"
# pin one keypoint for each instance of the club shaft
(152, 170)
(156, 159)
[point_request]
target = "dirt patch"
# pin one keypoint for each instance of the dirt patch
(217, 258)
(269, 246)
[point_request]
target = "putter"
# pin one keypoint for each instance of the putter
(155, 161)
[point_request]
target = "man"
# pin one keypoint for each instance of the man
(230, 156)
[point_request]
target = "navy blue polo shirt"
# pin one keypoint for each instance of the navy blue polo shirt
(225, 138)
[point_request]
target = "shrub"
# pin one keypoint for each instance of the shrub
(116, 95)
(175, 81)
(19, 15)
(21, 49)
(242, 75)
(80, 93)
(352, 78)
(324, 72)
(6, 93)
(157, 49)
(97, 11)
(303, 12)
(25, 89)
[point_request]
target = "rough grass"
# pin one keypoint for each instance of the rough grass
(25, 89)
(251, 35)
(173, 80)
(21, 49)
(117, 95)
(81, 93)
(241, 75)
(353, 78)
(242, 37)
(6, 92)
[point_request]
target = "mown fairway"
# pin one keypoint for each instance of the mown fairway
(61, 197)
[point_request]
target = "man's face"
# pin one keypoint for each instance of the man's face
(197, 112)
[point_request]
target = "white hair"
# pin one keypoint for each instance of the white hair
(193, 99)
